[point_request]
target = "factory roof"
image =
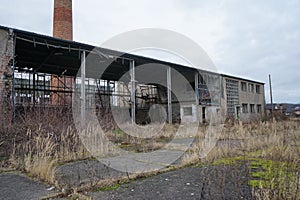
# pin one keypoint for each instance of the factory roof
(39, 53)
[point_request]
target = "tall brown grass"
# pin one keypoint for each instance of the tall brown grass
(40, 140)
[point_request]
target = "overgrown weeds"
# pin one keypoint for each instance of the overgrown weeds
(270, 149)
(37, 142)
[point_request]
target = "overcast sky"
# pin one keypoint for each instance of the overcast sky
(247, 38)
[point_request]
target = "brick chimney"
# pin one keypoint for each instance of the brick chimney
(63, 20)
(62, 28)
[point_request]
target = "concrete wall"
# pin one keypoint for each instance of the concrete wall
(247, 97)
(6, 57)
(252, 98)
(187, 110)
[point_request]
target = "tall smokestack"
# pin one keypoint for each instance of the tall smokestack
(63, 20)
(62, 28)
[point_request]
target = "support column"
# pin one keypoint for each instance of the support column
(169, 85)
(34, 89)
(132, 91)
(83, 92)
(6, 76)
(13, 92)
(197, 94)
(197, 87)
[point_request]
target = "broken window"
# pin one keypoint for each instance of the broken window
(252, 108)
(251, 87)
(245, 108)
(258, 108)
(258, 89)
(209, 89)
(244, 86)
(232, 95)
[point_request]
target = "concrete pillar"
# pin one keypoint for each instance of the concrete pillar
(169, 84)
(197, 95)
(6, 75)
(133, 85)
(83, 91)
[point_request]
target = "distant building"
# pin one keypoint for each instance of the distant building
(296, 110)
(283, 109)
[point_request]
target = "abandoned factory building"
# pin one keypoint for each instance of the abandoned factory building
(42, 71)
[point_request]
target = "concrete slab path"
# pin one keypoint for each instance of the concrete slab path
(16, 186)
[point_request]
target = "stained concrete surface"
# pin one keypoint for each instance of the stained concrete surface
(16, 186)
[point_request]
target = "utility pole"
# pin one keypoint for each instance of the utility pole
(271, 95)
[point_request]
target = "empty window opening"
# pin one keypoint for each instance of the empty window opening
(244, 86)
(258, 89)
(251, 87)
(203, 114)
(245, 108)
(238, 112)
(259, 108)
(252, 108)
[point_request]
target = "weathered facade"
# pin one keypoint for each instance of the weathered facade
(244, 99)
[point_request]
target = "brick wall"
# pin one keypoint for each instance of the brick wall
(6, 56)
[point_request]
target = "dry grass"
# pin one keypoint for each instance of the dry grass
(39, 153)
(35, 157)
(38, 146)
(40, 141)
(275, 140)
(268, 142)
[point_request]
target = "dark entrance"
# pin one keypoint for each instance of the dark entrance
(203, 114)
